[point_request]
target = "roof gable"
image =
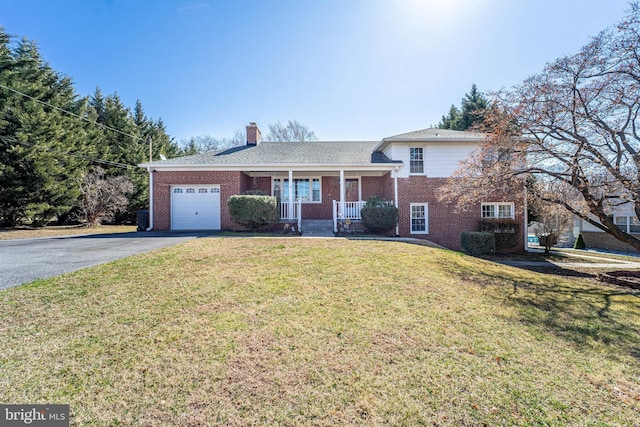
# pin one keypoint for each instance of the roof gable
(433, 135)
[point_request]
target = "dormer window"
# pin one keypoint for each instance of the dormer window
(416, 160)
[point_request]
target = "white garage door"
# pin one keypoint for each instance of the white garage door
(195, 207)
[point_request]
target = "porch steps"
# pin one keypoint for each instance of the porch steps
(317, 227)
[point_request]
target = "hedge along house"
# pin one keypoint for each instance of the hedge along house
(328, 180)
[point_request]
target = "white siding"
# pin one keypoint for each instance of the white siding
(587, 226)
(401, 152)
(441, 159)
(623, 210)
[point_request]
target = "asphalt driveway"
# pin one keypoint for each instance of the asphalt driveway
(25, 260)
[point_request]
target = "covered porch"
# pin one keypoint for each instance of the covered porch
(325, 194)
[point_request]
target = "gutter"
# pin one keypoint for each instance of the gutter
(150, 199)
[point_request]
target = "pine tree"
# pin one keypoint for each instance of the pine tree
(38, 179)
(468, 114)
(45, 146)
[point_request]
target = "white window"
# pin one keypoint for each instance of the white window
(202, 190)
(191, 190)
(419, 218)
(497, 210)
(416, 160)
(177, 190)
(628, 224)
(304, 189)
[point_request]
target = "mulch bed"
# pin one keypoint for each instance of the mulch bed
(629, 279)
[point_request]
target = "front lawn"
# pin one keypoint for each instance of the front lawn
(293, 331)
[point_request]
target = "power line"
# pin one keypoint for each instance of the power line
(81, 156)
(70, 112)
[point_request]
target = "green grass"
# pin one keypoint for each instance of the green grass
(321, 332)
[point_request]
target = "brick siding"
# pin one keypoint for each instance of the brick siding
(602, 240)
(445, 225)
(231, 183)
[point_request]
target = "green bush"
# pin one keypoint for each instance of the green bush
(379, 216)
(254, 212)
(255, 193)
(579, 242)
(478, 242)
(505, 232)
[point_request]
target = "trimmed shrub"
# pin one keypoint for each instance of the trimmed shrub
(255, 193)
(378, 216)
(254, 212)
(505, 231)
(478, 242)
(579, 244)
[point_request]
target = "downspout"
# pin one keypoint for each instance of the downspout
(150, 199)
(395, 197)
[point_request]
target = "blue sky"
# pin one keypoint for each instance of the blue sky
(348, 69)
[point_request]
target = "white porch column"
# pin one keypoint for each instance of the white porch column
(342, 192)
(395, 197)
(291, 201)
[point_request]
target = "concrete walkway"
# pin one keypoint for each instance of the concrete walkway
(612, 263)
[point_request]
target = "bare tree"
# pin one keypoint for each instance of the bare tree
(208, 144)
(575, 124)
(552, 220)
(102, 196)
(294, 131)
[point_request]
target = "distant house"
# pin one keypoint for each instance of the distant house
(330, 181)
(624, 216)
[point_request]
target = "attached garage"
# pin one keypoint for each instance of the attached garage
(195, 207)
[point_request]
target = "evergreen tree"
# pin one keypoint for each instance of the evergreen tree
(469, 113)
(46, 146)
(38, 179)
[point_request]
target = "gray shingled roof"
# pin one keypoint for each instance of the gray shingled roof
(434, 133)
(287, 153)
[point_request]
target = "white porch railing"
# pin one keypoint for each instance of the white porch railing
(351, 209)
(291, 212)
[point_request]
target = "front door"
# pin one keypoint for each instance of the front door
(352, 190)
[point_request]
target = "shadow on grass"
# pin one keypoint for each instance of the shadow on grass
(583, 312)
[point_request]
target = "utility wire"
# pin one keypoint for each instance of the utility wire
(81, 156)
(70, 112)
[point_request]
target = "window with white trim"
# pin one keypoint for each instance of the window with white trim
(628, 224)
(419, 218)
(191, 190)
(177, 190)
(416, 160)
(497, 210)
(307, 190)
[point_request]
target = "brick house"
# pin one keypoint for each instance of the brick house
(331, 181)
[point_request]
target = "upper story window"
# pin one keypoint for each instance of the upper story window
(416, 160)
(497, 210)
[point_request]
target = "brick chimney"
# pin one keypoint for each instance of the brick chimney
(253, 134)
